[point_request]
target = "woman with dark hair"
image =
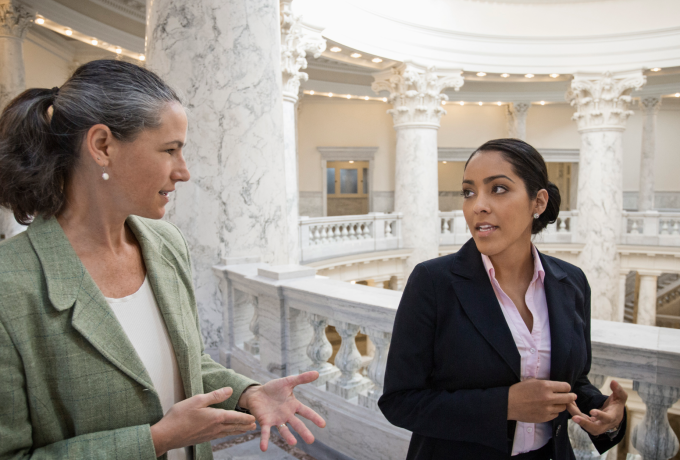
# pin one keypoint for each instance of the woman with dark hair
(101, 355)
(490, 352)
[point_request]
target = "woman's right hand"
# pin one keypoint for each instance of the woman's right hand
(192, 422)
(538, 401)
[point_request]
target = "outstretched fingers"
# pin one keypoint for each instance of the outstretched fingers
(264, 437)
(309, 414)
(284, 431)
(301, 379)
(301, 429)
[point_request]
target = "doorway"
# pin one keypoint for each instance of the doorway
(347, 188)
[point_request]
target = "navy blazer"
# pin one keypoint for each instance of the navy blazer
(452, 359)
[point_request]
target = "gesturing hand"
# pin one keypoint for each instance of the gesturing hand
(274, 404)
(192, 422)
(537, 401)
(607, 418)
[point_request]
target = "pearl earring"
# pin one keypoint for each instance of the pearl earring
(105, 175)
(536, 215)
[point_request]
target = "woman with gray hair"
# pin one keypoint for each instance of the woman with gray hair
(101, 355)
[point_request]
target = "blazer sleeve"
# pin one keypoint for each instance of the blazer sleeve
(214, 375)
(16, 432)
(589, 397)
(408, 401)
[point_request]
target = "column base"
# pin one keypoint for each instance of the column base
(327, 373)
(252, 347)
(349, 390)
(370, 400)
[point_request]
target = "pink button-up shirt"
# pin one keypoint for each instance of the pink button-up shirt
(533, 347)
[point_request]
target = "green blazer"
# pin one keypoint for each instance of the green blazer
(71, 383)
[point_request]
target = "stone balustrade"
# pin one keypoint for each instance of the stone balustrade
(292, 308)
(326, 237)
(651, 228)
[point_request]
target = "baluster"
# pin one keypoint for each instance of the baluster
(634, 228)
(343, 232)
(316, 235)
(324, 234)
(348, 360)
(675, 230)
(367, 230)
(332, 234)
(653, 437)
(445, 226)
(319, 350)
(664, 228)
(561, 227)
(580, 441)
(376, 370)
(252, 346)
(352, 233)
(388, 229)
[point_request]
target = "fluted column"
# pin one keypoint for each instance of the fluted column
(517, 119)
(416, 98)
(224, 57)
(650, 107)
(295, 43)
(601, 103)
(14, 21)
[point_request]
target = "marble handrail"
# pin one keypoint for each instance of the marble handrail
(293, 306)
(326, 237)
(651, 228)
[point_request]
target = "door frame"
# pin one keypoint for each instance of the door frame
(347, 154)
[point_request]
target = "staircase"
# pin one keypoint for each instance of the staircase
(668, 299)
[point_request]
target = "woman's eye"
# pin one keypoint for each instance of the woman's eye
(466, 193)
(498, 189)
(170, 151)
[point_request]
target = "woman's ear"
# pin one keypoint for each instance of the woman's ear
(541, 201)
(98, 143)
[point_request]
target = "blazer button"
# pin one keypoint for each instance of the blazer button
(557, 433)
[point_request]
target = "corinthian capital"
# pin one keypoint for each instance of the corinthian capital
(14, 19)
(296, 42)
(602, 101)
(416, 95)
(650, 104)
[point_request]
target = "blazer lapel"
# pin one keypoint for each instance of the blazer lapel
(165, 284)
(70, 286)
(476, 296)
(560, 299)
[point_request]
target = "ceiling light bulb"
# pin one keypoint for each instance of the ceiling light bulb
(480, 103)
(499, 104)
(40, 21)
(365, 98)
(351, 161)
(118, 50)
(68, 32)
(94, 42)
(677, 94)
(355, 55)
(311, 92)
(443, 102)
(529, 75)
(542, 102)
(505, 75)
(444, 162)
(348, 96)
(481, 74)
(462, 103)
(142, 57)
(330, 94)
(384, 99)
(376, 60)
(655, 69)
(336, 49)
(554, 75)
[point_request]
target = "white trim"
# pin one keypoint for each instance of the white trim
(51, 42)
(549, 155)
(88, 26)
(346, 154)
(124, 10)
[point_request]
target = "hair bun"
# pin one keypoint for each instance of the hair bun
(551, 212)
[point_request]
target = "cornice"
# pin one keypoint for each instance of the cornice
(133, 9)
(51, 42)
(549, 155)
(347, 153)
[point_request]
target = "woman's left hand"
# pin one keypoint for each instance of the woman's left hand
(609, 417)
(274, 404)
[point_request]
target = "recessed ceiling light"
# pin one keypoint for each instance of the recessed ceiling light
(444, 161)
(677, 94)
(505, 75)
(499, 104)
(529, 75)
(554, 75)
(336, 49)
(542, 102)
(355, 55)
(142, 57)
(365, 98)
(462, 102)
(384, 99)
(68, 32)
(40, 21)
(94, 42)
(480, 103)
(481, 74)
(330, 94)
(118, 50)
(349, 96)
(311, 93)
(376, 60)
(351, 161)
(655, 69)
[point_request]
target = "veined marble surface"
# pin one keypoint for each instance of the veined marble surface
(224, 58)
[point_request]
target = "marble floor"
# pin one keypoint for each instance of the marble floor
(250, 450)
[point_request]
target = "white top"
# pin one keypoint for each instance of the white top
(143, 323)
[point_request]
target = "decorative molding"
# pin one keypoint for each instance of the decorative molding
(14, 19)
(347, 153)
(650, 104)
(602, 101)
(517, 119)
(296, 41)
(416, 96)
(133, 9)
(549, 155)
(51, 43)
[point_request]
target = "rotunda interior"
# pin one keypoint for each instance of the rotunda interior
(327, 142)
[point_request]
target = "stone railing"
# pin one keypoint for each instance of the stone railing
(326, 237)
(651, 228)
(275, 322)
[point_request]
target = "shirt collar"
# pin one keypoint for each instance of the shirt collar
(538, 267)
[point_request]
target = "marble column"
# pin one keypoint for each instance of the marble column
(295, 43)
(224, 57)
(646, 305)
(517, 119)
(650, 107)
(14, 21)
(602, 108)
(416, 98)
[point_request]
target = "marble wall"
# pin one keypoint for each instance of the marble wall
(224, 58)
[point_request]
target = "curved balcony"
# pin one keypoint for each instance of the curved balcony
(275, 322)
